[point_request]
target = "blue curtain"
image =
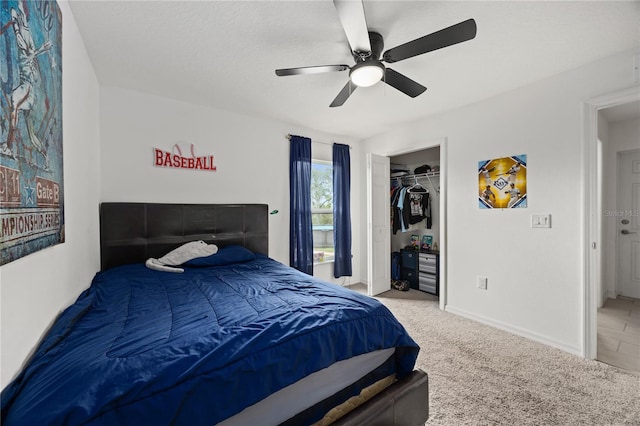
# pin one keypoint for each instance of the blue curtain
(342, 210)
(300, 227)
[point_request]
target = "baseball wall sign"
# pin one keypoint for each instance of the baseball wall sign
(175, 159)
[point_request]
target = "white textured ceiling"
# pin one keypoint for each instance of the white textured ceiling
(223, 53)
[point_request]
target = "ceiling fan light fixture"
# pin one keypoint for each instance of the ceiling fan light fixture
(367, 73)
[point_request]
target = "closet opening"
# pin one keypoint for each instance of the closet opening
(416, 238)
(379, 228)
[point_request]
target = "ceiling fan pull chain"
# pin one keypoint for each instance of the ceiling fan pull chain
(384, 80)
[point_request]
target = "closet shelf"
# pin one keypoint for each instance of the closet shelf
(418, 176)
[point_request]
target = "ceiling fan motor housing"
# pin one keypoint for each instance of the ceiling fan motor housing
(368, 69)
(377, 45)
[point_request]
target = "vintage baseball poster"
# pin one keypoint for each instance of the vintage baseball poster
(31, 173)
(502, 183)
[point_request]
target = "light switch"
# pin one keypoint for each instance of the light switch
(482, 283)
(541, 221)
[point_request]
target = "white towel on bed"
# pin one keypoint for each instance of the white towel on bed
(180, 255)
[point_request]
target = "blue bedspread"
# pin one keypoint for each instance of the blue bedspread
(151, 348)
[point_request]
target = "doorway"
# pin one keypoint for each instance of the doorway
(384, 251)
(611, 130)
(627, 219)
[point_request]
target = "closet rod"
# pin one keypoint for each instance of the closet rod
(324, 143)
(428, 176)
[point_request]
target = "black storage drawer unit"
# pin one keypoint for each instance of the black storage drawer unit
(410, 267)
(409, 259)
(410, 275)
(421, 269)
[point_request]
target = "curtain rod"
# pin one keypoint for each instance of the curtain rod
(324, 143)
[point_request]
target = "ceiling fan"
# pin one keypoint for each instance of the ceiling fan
(366, 48)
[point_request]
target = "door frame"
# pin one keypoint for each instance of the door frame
(592, 217)
(432, 143)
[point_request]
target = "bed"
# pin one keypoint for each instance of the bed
(236, 339)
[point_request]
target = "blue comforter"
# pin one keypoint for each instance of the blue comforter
(148, 347)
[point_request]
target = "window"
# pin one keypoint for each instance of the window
(322, 210)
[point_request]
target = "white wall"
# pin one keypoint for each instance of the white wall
(621, 136)
(251, 156)
(35, 288)
(535, 276)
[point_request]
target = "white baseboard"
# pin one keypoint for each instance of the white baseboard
(607, 294)
(516, 330)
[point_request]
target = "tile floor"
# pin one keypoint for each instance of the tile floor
(619, 333)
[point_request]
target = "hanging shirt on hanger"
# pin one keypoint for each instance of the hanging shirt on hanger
(395, 212)
(403, 210)
(418, 204)
(427, 212)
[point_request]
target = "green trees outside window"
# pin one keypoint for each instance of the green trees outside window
(322, 210)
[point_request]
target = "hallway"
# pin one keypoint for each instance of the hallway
(619, 333)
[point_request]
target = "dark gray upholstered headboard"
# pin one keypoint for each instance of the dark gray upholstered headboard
(134, 232)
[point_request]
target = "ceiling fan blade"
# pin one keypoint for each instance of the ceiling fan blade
(454, 34)
(352, 18)
(311, 70)
(403, 83)
(344, 94)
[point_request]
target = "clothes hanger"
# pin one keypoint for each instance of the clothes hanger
(417, 188)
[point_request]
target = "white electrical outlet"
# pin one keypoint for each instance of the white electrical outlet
(482, 283)
(541, 221)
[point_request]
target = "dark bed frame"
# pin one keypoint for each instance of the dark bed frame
(134, 232)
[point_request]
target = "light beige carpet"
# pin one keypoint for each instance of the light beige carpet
(480, 375)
